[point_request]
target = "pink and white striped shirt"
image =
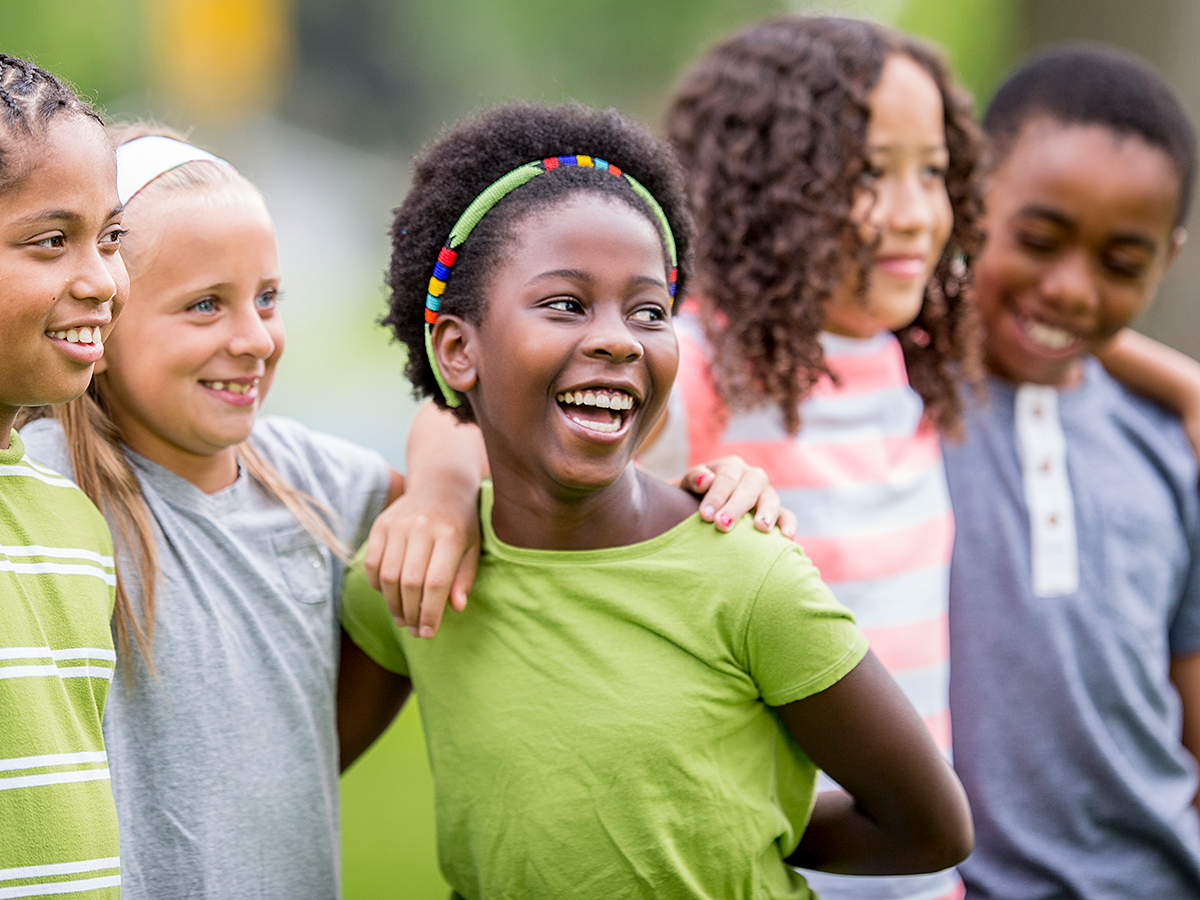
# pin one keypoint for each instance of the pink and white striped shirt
(864, 477)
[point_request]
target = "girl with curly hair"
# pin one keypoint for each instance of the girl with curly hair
(834, 175)
(632, 705)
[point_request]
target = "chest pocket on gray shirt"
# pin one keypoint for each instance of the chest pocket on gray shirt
(305, 564)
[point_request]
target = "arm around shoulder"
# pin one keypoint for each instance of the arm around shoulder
(423, 549)
(1159, 373)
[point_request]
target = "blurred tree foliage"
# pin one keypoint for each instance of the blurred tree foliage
(98, 47)
(981, 38)
(389, 72)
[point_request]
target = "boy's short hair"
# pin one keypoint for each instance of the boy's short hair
(1095, 84)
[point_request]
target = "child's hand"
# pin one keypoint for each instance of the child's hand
(424, 549)
(729, 488)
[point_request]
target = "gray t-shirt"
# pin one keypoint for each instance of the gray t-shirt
(1066, 725)
(225, 764)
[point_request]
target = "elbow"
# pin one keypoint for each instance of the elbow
(949, 840)
(948, 849)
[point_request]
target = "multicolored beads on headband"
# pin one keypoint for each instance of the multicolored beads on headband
(493, 194)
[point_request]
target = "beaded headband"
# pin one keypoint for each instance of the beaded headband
(143, 159)
(493, 194)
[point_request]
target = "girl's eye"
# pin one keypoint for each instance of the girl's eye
(267, 299)
(934, 171)
(653, 313)
(565, 304)
(54, 242)
(871, 173)
(113, 237)
(207, 305)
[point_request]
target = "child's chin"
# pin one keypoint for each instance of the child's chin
(1023, 368)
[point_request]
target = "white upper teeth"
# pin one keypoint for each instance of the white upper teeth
(603, 399)
(84, 335)
(1048, 336)
(233, 387)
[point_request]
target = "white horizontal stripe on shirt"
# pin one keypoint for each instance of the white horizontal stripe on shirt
(45, 476)
(105, 672)
(60, 887)
(903, 599)
(901, 500)
(66, 653)
(57, 569)
(870, 416)
(13, 782)
(46, 760)
(57, 553)
(71, 868)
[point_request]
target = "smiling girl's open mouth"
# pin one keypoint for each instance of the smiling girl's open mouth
(602, 410)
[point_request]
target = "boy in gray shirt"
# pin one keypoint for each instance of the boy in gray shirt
(1075, 584)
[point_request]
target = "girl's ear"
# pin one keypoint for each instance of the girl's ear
(454, 343)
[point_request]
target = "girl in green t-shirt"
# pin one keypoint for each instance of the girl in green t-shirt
(633, 708)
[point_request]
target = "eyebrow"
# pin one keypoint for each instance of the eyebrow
(1037, 211)
(63, 215)
(586, 278)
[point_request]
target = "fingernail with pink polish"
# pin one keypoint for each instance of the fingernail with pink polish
(707, 512)
(725, 521)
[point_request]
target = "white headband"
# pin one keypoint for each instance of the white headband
(143, 159)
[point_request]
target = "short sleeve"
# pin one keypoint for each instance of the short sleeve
(367, 620)
(799, 639)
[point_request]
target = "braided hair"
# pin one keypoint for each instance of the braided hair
(30, 98)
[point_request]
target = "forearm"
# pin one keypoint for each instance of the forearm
(1154, 370)
(903, 810)
(842, 838)
(442, 449)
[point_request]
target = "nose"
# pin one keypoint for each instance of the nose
(1067, 284)
(907, 204)
(100, 278)
(610, 336)
(249, 335)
